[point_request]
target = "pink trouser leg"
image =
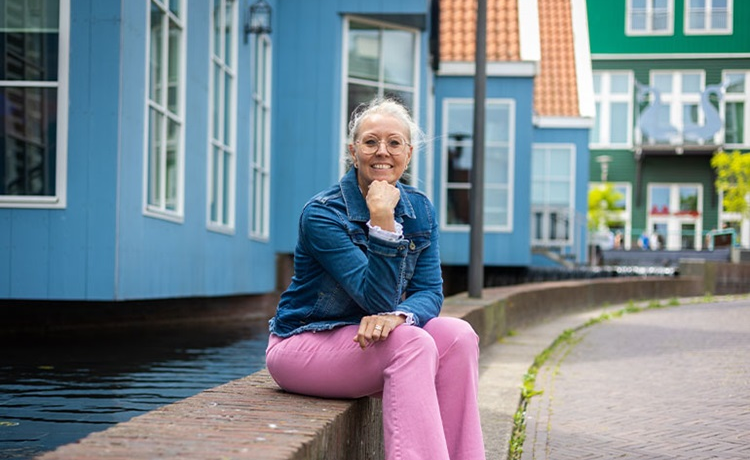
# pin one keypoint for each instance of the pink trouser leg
(457, 385)
(427, 377)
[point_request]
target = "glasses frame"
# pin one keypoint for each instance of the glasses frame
(387, 147)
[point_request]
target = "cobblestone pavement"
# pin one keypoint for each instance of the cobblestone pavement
(667, 383)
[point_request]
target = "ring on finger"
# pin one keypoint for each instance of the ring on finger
(378, 327)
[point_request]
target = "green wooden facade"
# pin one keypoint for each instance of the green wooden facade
(641, 48)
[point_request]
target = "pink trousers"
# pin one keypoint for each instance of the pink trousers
(428, 379)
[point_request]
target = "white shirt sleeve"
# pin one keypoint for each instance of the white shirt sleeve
(378, 232)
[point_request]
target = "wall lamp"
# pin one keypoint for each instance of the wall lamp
(258, 19)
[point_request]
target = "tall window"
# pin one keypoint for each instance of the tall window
(674, 214)
(165, 152)
(650, 17)
(498, 163)
(381, 61)
(708, 17)
(737, 108)
(613, 96)
(260, 161)
(33, 100)
(222, 151)
(552, 194)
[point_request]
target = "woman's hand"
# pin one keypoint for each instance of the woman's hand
(382, 199)
(376, 328)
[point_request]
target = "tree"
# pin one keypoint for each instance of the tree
(603, 201)
(733, 178)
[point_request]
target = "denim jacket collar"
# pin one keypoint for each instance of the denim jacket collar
(356, 206)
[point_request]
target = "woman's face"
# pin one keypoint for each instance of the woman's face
(382, 164)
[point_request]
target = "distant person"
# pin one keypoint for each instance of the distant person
(360, 317)
(643, 241)
(618, 240)
(654, 241)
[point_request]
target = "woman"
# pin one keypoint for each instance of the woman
(360, 317)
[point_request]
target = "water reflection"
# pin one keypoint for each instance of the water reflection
(57, 391)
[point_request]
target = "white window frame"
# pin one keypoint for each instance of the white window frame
(510, 186)
(604, 100)
(737, 97)
(222, 145)
(678, 99)
(59, 199)
(160, 209)
(674, 220)
(260, 150)
(650, 11)
(380, 85)
(708, 11)
(547, 210)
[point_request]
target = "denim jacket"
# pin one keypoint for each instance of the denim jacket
(341, 274)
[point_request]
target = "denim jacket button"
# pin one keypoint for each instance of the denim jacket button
(400, 248)
(412, 246)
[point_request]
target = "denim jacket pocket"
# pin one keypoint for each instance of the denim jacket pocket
(417, 244)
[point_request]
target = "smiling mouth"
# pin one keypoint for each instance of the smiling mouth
(382, 166)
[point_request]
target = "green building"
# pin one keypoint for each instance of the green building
(672, 88)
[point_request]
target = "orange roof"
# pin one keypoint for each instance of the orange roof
(555, 88)
(458, 30)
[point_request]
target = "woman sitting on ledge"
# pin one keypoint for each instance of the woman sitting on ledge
(360, 317)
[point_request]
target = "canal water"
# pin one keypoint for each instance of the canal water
(57, 391)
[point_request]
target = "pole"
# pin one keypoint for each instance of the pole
(476, 209)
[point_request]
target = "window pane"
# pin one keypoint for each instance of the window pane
(661, 21)
(364, 52)
(660, 4)
(597, 83)
(638, 21)
(736, 83)
(718, 19)
(620, 84)
(29, 150)
(154, 157)
(663, 83)
(226, 181)
(155, 65)
(559, 160)
(173, 75)
(217, 100)
(398, 46)
(458, 206)
(359, 94)
(227, 139)
(217, 27)
(173, 130)
(660, 200)
(406, 98)
(618, 128)
(496, 165)
(696, 20)
(698, 4)
(559, 193)
(497, 123)
(495, 209)
(735, 123)
(229, 35)
(174, 7)
(691, 83)
(215, 184)
(29, 35)
(688, 198)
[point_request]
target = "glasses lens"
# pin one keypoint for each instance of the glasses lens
(394, 145)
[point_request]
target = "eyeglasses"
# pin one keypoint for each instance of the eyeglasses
(395, 145)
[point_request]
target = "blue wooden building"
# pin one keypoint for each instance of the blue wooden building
(162, 149)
